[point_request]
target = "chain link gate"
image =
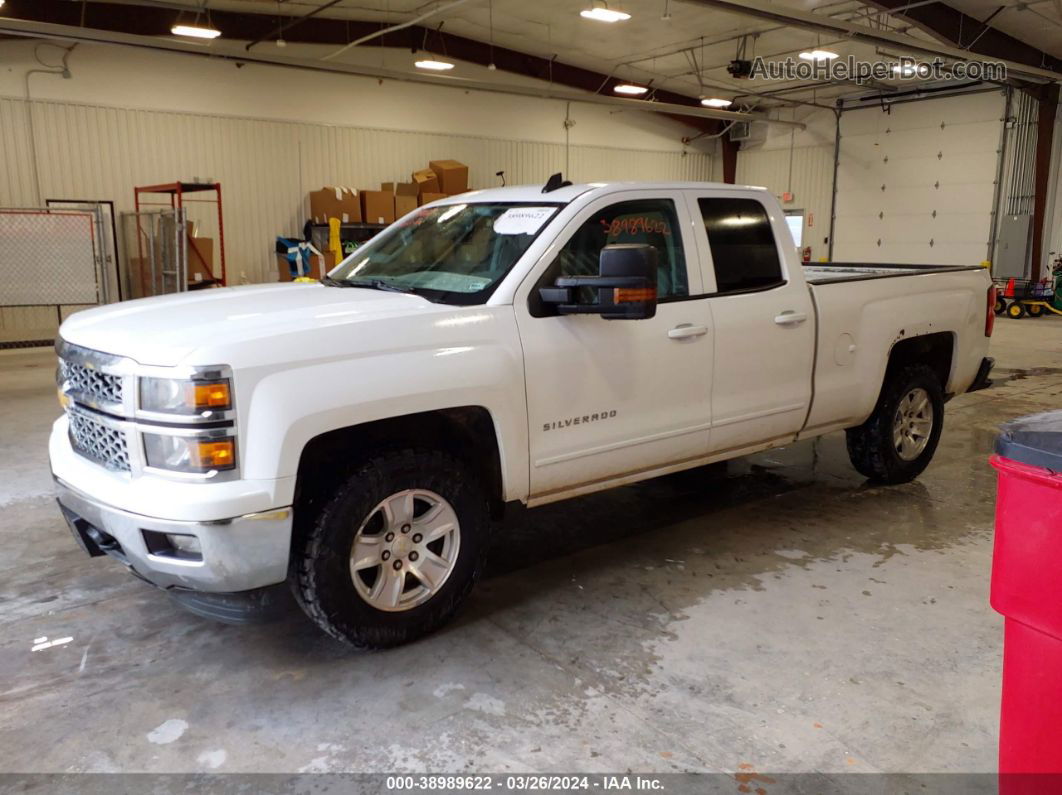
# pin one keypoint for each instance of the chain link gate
(156, 252)
(51, 263)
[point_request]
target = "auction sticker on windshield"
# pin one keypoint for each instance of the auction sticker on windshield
(522, 220)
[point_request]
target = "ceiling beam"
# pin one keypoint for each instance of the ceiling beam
(976, 36)
(155, 21)
(700, 118)
(151, 24)
(811, 21)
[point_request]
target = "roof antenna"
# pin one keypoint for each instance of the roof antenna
(502, 175)
(555, 182)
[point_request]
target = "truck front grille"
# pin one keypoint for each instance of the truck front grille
(92, 384)
(98, 442)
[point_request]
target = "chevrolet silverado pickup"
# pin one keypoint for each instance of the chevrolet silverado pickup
(354, 439)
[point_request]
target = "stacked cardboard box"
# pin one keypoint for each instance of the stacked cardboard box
(335, 202)
(442, 178)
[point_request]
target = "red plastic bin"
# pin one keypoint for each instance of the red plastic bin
(1027, 590)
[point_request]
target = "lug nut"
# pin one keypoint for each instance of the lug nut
(405, 528)
(398, 565)
(389, 537)
(385, 555)
(417, 538)
(413, 555)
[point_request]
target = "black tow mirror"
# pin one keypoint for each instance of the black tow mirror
(625, 284)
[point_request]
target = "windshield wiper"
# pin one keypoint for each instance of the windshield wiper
(326, 279)
(379, 284)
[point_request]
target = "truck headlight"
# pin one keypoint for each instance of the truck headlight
(189, 453)
(185, 396)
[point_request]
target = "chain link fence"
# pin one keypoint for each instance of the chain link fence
(51, 264)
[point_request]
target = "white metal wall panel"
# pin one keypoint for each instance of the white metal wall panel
(267, 167)
(811, 184)
(916, 185)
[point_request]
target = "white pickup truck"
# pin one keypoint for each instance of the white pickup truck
(354, 439)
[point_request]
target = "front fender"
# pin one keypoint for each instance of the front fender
(290, 407)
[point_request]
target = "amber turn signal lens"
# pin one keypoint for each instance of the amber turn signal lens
(216, 454)
(633, 295)
(212, 395)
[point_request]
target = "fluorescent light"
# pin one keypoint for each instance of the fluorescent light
(436, 66)
(818, 55)
(195, 31)
(603, 14)
(716, 102)
(907, 70)
(629, 88)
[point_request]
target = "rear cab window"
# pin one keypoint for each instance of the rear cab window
(742, 243)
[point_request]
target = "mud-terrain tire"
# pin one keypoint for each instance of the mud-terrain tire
(384, 509)
(897, 442)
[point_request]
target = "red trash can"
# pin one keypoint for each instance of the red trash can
(1027, 590)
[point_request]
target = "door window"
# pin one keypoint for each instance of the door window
(647, 221)
(742, 243)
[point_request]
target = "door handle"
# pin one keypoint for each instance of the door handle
(686, 331)
(790, 318)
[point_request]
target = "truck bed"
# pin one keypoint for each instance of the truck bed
(833, 272)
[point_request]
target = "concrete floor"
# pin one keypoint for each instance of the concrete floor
(787, 617)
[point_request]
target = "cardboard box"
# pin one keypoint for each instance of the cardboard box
(377, 206)
(200, 259)
(328, 260)
(426, 198)
(453, 176)
(387, 187)
(333, 202)
(426, 181)
(406, 194)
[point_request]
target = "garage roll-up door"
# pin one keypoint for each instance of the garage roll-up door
(916, 185)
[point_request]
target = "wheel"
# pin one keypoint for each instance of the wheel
(1016, 310)
(1000, 306)
(1035, 310)
(396, 551)
(898, 441)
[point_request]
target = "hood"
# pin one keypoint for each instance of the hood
(167, 330)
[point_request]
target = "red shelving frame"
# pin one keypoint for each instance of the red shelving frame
(176, 191)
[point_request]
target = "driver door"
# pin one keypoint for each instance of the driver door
(609, 399)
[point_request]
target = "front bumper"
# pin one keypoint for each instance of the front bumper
(238, 554)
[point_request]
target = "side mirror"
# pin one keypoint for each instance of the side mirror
(625, 284)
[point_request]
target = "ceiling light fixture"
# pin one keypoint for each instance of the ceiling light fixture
(195, 31)
(629, 88)
(603, 13)
(716, 102)
(910, 70)
(818, 55)
(433, 65)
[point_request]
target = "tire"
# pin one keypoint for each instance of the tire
(1016, 310)
(1035, 310)
(324, 562)
(872, 447)
(1000, 305)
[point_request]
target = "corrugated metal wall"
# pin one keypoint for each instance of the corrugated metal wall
(805, 171)
(266, 167)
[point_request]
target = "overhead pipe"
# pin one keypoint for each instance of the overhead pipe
(44, 30)
(810, 21)
(400, 26)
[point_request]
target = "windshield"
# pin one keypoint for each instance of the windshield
(456, 254)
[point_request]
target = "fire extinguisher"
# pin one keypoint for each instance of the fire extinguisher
(805, 255)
